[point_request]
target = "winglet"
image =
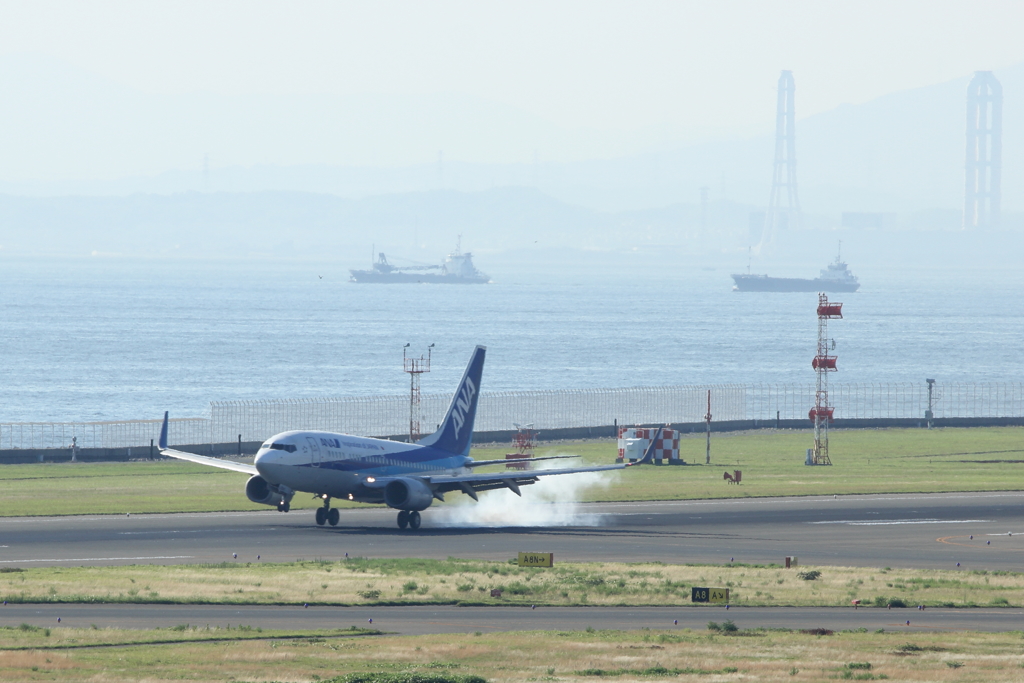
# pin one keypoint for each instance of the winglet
(649, 455)
(163, 432)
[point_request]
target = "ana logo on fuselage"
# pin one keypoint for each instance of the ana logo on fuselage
(462, 404)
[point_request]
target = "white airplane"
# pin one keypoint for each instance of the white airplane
(407, 477)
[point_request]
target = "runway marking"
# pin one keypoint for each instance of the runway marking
(611, 506)
(140, 515)
(814, 499)
(103, 559)
(891, 522)
(945, 539)
(172, 531)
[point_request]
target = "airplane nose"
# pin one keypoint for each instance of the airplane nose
(265, 458)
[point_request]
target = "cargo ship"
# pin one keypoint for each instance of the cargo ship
(835, 278)
(457, 268)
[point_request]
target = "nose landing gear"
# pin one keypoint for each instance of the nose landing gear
(409, 518)
(285, 502)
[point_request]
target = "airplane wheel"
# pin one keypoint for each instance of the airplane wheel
(321, 516)
(414, 520)
(333, 516)
(403, 519)
(286, 507)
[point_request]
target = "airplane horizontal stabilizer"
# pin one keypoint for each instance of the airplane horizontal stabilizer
(481, 463)
(649, 455)
(534, 474)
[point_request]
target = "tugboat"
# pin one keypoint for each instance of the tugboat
(835, 278)
(457, 268)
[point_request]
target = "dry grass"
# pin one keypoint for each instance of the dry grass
(533, 656)
(361, 581)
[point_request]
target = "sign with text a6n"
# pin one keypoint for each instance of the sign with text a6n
(536, 559)
(709, 594)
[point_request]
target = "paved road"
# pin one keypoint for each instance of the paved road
(424, 620)
(911, 530)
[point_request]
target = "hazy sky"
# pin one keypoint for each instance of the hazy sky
(618, 65)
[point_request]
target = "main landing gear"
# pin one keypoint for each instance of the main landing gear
(409, 518)
(327, 514)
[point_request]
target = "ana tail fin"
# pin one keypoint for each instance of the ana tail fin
(456, 432)
(163, 432)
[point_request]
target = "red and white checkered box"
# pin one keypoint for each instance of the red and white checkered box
(637, 439)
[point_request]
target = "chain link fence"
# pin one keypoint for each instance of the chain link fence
(891, 400)
(497, 411)
(115, 434)
(389, 415)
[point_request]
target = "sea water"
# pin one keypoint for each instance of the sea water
(104, 338)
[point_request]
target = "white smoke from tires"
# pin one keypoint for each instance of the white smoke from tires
(552, 502)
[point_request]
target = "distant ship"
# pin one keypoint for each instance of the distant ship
(457, 268)
(835, 278)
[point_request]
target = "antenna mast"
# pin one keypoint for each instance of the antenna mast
(823, 364)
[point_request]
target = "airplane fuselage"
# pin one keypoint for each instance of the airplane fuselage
(345, 466)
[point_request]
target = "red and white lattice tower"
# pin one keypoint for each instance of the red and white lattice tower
(524, 441)
(415, 367)
(823, 364)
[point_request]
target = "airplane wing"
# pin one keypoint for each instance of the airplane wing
(212, 462)
(470, 484)
(200, 459)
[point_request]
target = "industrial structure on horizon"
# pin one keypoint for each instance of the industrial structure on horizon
(983, 166)
(784, 201)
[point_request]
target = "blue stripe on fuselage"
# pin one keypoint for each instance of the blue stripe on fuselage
(415, 460)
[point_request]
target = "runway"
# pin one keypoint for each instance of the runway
(898, 530)
(428, 620)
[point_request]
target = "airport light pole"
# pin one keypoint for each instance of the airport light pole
(415, 367)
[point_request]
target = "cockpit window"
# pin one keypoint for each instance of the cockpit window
(282, 447)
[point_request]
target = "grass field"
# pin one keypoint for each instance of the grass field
(30, 654)
(864, 461)
(414, 581)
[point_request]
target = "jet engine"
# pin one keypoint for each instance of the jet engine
(408, 494)
(260, 491)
